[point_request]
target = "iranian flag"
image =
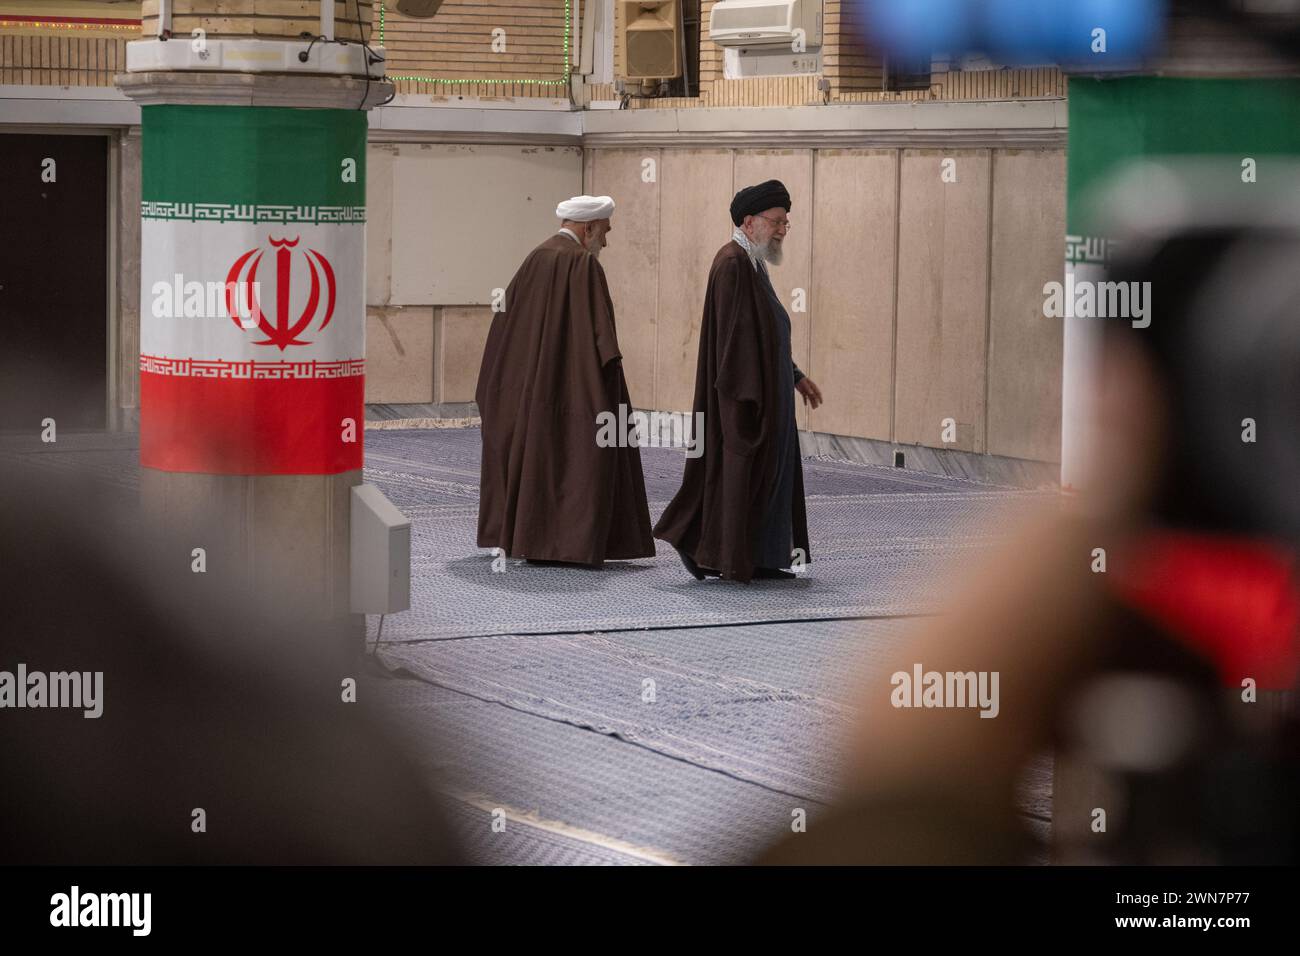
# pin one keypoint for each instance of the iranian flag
(252, 310)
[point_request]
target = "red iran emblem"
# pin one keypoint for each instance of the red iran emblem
(286, 329)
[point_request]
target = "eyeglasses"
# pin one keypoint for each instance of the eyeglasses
(779, 223)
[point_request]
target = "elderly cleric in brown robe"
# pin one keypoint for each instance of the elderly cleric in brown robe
(549, 492)
(740, 511)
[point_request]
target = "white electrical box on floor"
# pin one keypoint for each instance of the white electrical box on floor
(380, 554)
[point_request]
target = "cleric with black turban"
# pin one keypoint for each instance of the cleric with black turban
(740, 511)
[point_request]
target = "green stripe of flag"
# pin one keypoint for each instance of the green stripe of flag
(1117, 120)
(253, 155)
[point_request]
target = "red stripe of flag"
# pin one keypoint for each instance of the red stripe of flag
(224, 426)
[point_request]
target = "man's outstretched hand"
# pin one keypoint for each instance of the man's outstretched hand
(812, 395)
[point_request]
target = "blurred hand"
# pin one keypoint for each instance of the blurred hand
(812, 395)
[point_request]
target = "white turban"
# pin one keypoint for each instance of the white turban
(585, 208)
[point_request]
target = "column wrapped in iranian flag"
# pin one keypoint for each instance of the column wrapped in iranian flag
(252, 339)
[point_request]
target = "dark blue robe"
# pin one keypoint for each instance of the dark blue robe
(773, 544)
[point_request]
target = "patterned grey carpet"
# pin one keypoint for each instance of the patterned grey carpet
(618, 802)
(881, 539)
(633, 715)
(767, 705)
(746, 727)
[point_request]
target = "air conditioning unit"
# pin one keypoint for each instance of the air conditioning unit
(766, 23)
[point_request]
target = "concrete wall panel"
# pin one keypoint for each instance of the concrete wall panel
(464, 217)
(942, 298)
(631, 259)
(694, 224)
(1025, 348)
(379, 224)
(399, 355)
(855, 225)
(461, 337)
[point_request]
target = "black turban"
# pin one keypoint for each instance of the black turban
(752, 200)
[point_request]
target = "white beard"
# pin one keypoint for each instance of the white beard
(770, 252)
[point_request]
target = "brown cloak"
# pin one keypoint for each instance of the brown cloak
(551, 365)
(716, 514)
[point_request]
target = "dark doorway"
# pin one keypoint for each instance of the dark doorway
(53, 281)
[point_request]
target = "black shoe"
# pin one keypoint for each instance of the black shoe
(697, 572)
(773, 573)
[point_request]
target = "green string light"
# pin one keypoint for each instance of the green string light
(568, 68)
